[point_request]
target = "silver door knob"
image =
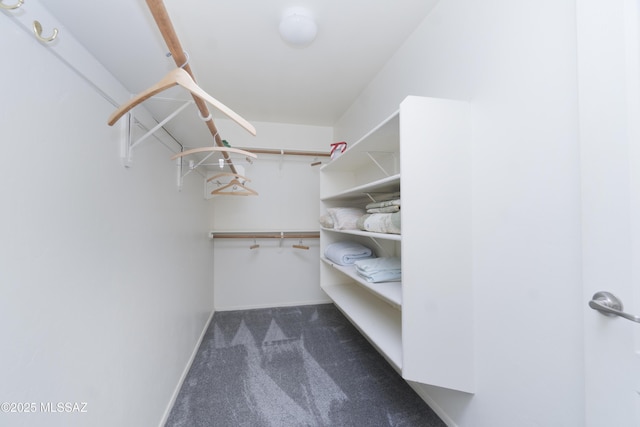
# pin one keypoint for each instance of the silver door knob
(610, 305)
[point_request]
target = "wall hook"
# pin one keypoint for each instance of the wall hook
(14, 6)
(37, 29)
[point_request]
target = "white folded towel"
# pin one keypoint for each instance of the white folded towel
(346, 253)
(379, 264)
(386, 269)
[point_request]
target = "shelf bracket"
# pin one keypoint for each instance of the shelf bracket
(127, 146)
(192, 166)
(373, 159)
(371, 197)
(385, 252)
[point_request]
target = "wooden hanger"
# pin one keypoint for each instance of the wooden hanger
(221, 174)
(301, 246)
(234, 184)
(182, 78)
(204, 149)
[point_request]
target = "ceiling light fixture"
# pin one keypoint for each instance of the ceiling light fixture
(298, 27)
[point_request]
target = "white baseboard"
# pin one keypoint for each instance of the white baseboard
(288, 304)
(185, 372)
(432, 404)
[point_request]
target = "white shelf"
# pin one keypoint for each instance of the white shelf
(389, 184)
(390, 292)
(377, 320)
(383, 139)
(387, 236)
(423, 325)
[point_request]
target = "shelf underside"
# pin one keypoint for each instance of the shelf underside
(377, 320)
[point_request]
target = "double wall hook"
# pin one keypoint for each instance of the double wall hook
(9, 7)
(37, 29)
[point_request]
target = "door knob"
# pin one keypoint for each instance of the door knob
(610, 305)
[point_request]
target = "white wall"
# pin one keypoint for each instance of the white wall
(105, 273)
(516, 63)
(288, 200)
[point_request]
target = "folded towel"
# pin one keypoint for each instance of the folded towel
(379, 264)
(345, 218)
(384, 204)
(380, 223)
(382, 276)
(326, 221)
(386, 269)
(346, 253)
(383, 197)
(388, 209)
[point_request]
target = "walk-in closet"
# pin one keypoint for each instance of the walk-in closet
(319, 213)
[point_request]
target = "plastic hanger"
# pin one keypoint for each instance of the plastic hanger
(182, 78)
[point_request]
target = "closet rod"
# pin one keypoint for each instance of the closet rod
(288, 152)
(161, 16)
(264, 235)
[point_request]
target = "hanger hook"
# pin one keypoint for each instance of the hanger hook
(9, 7)
(37, 29)
(255, 245)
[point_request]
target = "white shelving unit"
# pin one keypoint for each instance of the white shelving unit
(423, 325)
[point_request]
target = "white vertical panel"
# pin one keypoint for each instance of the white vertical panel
(608, 87)
(437, 312)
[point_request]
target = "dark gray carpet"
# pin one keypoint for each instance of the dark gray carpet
(293, 366)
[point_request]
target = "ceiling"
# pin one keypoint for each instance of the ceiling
(237, 55)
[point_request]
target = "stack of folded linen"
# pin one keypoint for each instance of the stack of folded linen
(387, 269)
(388, 206)
(381, 217)
(346, 253)
(344, 218)
(381, 223)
